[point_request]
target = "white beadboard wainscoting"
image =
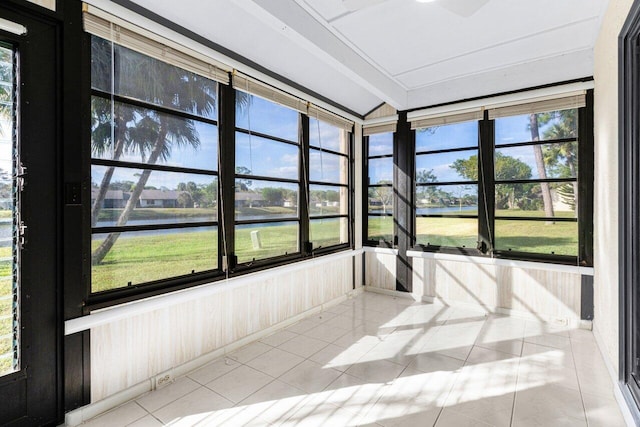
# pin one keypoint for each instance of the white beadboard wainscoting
(542, 291)
(380, 268)
(174, 334)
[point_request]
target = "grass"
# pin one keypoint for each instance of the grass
(147, 256)
(560, 238)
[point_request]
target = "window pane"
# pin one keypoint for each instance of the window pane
(457, 135)
(556, 161)
(146, 136)
(328, 232)
(454, 232)
(537, 127)
(380, 228)
(327, 167)
(559, 238)
(165, 85)
(259, 115)
(256, 200)
(380, 144)
(265, 157)
(447, 167)
(447, 200)
(328, 137)
(143, 256)
(381, 171)
(259, 241)
(526, 200)
(167, 197)
(328, 200)
(381, 200)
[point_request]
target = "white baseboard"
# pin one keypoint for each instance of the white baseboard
(80, 415)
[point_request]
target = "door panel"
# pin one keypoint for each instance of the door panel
(29, 395)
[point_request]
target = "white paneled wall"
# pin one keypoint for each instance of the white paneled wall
(380, 268)
(128, 351)
(547, 294)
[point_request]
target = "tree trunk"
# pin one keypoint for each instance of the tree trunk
(106, 179)
(104, 248)
(542, 173)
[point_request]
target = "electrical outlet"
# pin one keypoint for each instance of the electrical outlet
(163, 379)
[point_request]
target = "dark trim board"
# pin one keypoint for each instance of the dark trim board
(629, 208)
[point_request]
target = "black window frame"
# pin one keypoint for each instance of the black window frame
(464, 250)
(486, 194)
(227, 265)
(366, 184)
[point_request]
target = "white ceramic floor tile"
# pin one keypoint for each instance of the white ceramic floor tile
(213, 370)
(484, 355)
(433, 362)
(275, 362)
(192, 408)
(302, 326)
(340, 358)
(376, 371)
(450, 418)
(158, 398)
(354, 394)
(326, 333)
(303, 346)
(310, 376)
(122, 416)
(602, 412)
(511, 346)
(239, 383)
(248, 352)
(148, 421)
(278, 338)
(495, 411)
(274, 402)
(548, 405)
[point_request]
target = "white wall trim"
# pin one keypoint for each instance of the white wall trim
(387, 251)
(123, 311)
(80, 415)
(575, 269)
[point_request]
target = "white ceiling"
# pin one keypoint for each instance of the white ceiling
(402, 52)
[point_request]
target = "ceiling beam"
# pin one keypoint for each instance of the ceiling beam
(299, 26)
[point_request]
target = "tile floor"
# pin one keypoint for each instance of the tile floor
(379, 360)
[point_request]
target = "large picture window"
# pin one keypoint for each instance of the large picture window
(447, 185)
(267, 179)
(536, 182)
(328, 197)
(154, 172)
(380, 192)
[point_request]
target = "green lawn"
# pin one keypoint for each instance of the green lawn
(147, 256)
(560, 238)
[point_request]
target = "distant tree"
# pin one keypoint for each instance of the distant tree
(540, 166)
(185, 200)
(272, 196)
(6, 90)
(382, 194)
(429, 192)
(506, 168)
(243, 184)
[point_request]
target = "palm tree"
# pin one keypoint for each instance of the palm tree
(150, 134)
(542, 172)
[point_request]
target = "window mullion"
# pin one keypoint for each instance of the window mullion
(226, 193)
(486, 186)
(305, 244)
